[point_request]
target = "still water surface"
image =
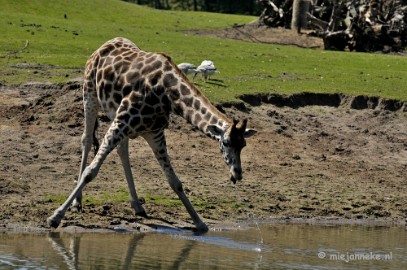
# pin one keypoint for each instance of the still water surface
(261, 246)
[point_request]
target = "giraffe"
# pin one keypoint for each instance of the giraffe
(138, 90)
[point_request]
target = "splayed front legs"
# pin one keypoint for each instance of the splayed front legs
(158, 144)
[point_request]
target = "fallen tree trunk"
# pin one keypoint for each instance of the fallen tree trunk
(367, 26)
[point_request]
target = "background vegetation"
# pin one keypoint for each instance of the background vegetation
(62, 35)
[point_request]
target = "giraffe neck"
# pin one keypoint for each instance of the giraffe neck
(197, 109)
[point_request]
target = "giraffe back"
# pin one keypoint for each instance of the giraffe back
(132, 84)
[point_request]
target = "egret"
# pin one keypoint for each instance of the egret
(207, 68)
(187, 68)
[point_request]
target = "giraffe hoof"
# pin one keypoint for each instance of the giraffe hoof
(201, 228)
(142, 214)
(233, 179)
(54, 221)
(76, 208)
(141, 201)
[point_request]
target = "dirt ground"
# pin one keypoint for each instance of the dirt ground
(261, 34)
(328, 158)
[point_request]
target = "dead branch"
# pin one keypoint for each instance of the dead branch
(317, 22)
(360, 25)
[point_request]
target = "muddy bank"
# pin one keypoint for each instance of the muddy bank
(296, 101)
(316, 157)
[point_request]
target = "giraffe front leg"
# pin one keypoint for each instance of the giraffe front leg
(158, 144)
(176, 185)
(88, 174)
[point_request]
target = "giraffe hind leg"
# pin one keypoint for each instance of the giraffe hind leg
(91, 109)
(95, 141)
(136, 203)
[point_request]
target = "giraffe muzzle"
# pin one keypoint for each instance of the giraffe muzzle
(236, 175)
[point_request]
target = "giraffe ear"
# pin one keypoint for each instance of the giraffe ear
(249, 132)
(215, 130)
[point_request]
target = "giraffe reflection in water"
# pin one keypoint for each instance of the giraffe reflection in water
(68, 247)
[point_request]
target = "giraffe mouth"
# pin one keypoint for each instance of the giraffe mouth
(235, 174)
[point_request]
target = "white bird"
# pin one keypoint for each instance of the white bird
(187, 68)
(207, 68)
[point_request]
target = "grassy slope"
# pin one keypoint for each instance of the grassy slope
(62, 46)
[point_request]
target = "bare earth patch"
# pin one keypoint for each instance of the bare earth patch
(262, 34)
(337, 161)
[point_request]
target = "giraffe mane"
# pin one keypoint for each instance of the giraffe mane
(196, 91)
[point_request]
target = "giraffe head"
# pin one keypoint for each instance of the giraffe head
(231, 142)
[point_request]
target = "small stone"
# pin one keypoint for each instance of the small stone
(296, 157)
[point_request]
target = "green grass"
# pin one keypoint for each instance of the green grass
(57, 199)
(165, 201)
(97, 200)
(122, 196)
(59, 47)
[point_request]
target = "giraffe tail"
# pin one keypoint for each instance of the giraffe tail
(95, 139)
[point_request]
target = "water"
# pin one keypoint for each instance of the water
(260, 246)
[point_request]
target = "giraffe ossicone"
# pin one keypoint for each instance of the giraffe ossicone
(138, 91)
